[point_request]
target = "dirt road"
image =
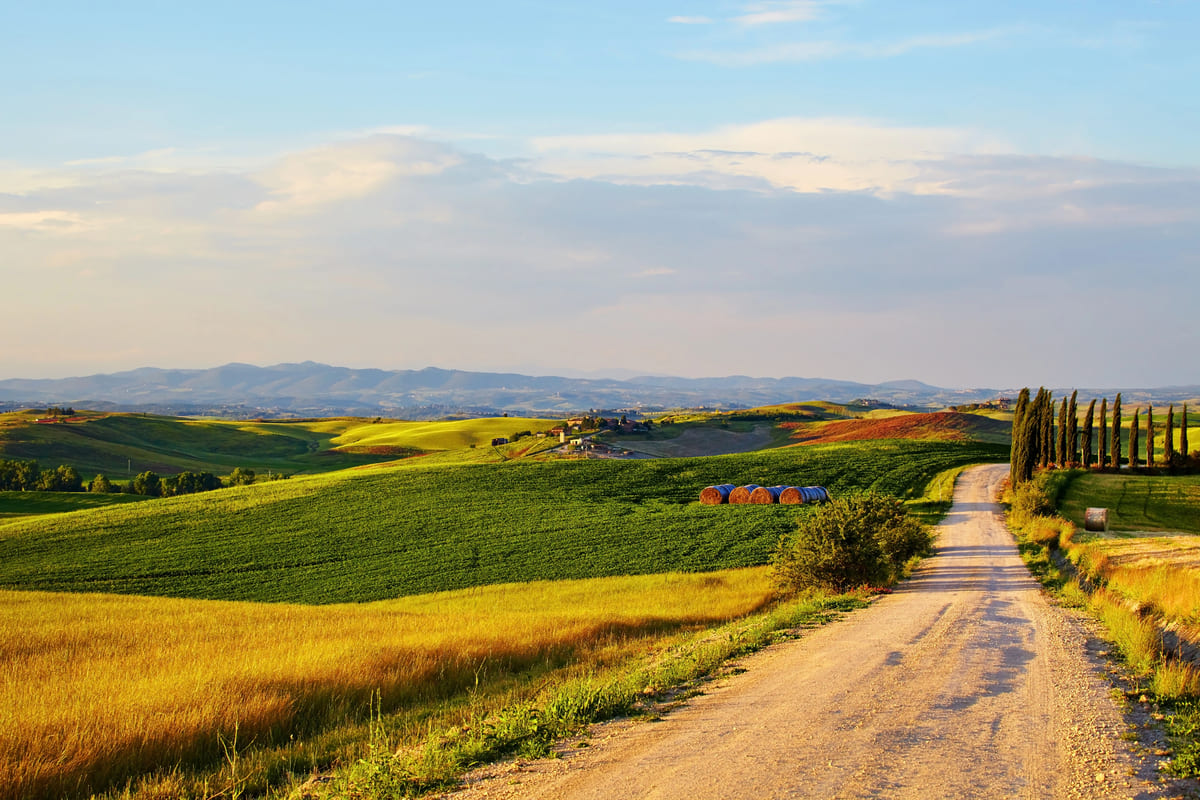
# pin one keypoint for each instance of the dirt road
(964, 683)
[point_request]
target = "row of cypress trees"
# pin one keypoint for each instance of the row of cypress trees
(1038, 443)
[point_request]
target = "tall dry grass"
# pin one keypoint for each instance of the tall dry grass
(1144, 587)
(99, 689)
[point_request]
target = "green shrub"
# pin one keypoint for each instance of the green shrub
(855, 540)
(1030, 500)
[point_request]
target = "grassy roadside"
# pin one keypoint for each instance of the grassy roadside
(529, 727)
(1148, 610)
(384, 700)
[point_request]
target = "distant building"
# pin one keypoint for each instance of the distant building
(499, 440)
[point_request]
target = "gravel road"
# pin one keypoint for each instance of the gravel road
(964, 683)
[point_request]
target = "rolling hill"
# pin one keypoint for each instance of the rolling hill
(358, 535)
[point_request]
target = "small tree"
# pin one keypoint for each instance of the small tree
(100, 485)
(241, 477)
(147, 483)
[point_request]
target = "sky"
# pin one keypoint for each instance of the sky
(967, 194)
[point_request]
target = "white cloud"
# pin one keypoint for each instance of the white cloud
(773, 13)
(798, 154)
(679, 253)
(824, 50)
(690, 20)
(348, 170)
(48, 221)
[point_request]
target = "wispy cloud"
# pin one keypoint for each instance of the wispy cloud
(690, 20)
(823, 50)
(804, 155)
(774, 13)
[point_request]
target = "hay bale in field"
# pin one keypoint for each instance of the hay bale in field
(716, 495)
(798, 495)
(765, 495)
(1095, 520)
(741, 494)
(791, 496)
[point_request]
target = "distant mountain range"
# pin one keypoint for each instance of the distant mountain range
(311, 389)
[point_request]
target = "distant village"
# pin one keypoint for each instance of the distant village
(594, 426)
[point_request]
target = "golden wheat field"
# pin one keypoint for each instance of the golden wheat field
(98, 689)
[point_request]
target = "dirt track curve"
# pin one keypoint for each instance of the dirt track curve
(965, 683)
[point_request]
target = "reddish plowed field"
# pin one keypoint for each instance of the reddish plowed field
(945, 426)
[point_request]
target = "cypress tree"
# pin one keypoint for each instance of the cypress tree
(1116, 433)
(1047, 429)
(1061, 450)
(1085, 446)
(1183, 443)
(1032, 434)
(1133, 440)
(1044, 431)
(1169, 444)
(1073, 433)
(1102, 462)
(1017, 447)
(1150, 437)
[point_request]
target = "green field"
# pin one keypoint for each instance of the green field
(362, 535)
(28, 504)
(1136, 502)
(122, 445)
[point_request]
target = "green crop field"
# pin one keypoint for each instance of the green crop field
(1136, 502)
(385, 532)
(122, 445)
(27, 504)
(430, 436)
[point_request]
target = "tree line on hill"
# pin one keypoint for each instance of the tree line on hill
(1039, 442)
(26, 476)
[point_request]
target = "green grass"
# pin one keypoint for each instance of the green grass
(389, 531)
(1136, 502)
(27, 504)
(122, 445)
(445, 435)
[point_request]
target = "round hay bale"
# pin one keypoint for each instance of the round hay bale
(716, 495)
(791, 496)
(815, 494)
(741, 494)
(765, 495)
(1095, 520)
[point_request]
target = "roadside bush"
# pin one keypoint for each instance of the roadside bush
(855, 540)
(1030, 500)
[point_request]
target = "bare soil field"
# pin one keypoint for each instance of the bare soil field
(945, 425)
(965, 682)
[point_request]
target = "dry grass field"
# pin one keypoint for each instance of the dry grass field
(96, 690)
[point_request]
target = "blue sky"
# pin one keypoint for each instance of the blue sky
(963, 193)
